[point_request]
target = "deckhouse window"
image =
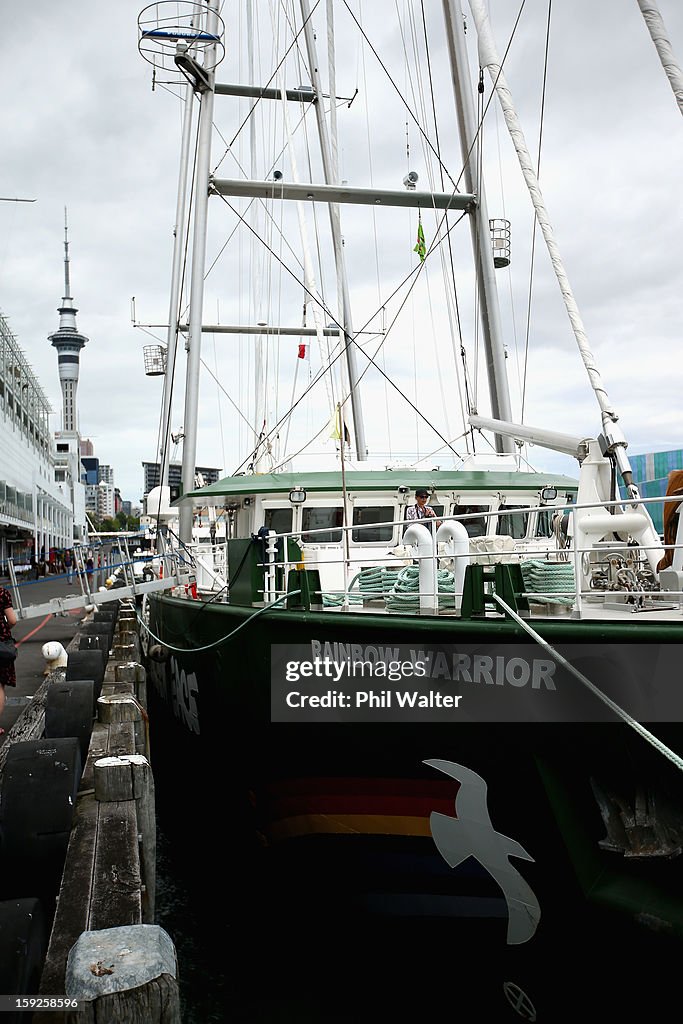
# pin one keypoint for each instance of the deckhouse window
(325, 519)
(544, 524)
(513, 523)
(373, 524)
(476, 527)
(278, 519)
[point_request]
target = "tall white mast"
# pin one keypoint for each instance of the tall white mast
(335, 223)
(194, 338)
(479, 225)
(179, 236)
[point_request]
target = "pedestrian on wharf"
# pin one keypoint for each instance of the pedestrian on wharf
(68, 565)
(8, 619)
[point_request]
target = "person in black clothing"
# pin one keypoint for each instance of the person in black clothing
(8, 619)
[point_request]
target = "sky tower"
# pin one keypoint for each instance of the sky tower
(68, 342)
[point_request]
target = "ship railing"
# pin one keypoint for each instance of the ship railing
(359, 559)
(356, 559)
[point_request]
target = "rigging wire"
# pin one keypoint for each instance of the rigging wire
(398, 91)
(513, 317)
(408, 80)
(294, 43)
(414, 274)
(163, 442)
(218, 390)
(361, 51)
(371, 360)
(447, 258)
(535, 223)
(441, 376)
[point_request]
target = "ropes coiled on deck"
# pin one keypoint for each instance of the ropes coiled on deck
(549, 582)
(399, 588)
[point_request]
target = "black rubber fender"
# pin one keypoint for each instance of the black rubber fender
(23, 946)
(94, 643)
(88, 665)
(69, 712)
(39, 787)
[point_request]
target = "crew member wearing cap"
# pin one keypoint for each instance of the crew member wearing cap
(421, 510)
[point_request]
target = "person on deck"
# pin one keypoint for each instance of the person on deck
(421, 510)
(8, 619)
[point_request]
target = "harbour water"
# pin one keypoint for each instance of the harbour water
(182, 912)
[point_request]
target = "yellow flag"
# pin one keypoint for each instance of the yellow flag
(335, 425)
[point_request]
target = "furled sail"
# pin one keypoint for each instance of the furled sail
(657, 30)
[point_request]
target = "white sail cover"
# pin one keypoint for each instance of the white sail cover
(655, 25)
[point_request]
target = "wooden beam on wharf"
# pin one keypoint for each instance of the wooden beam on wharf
(107, 888)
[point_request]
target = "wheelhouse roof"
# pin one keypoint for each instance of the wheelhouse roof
(274, 485)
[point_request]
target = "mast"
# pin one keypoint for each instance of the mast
(614, 440)
(330, 172)
(179, 235)
(479, 226)
(194, 338)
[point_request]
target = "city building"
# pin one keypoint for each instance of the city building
(91, 469)
(651, 476)
(69, 341)
(35, 506)
(151, 470)
(44, 478)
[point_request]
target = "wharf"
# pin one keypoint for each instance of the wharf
(76, 751)
(30, 635)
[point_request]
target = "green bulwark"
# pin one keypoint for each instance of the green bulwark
(245, 572)
(480, 583)
(246, 560)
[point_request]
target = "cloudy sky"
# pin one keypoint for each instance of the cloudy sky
(82, 128)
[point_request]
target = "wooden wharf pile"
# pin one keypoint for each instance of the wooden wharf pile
(104, 949)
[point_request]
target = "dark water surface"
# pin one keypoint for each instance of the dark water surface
(183, 914)
(251, 953)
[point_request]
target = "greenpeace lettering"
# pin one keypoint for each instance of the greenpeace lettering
(183, 696)
(472, 834)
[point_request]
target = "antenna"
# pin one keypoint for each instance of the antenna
(173, 28)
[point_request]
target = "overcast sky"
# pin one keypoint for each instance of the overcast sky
(82, 128)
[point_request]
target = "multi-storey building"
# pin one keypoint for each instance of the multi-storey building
(151, 470)
(36, 510)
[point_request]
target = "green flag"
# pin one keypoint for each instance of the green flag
(420, 248)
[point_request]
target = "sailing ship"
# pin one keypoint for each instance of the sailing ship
(470, 719)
